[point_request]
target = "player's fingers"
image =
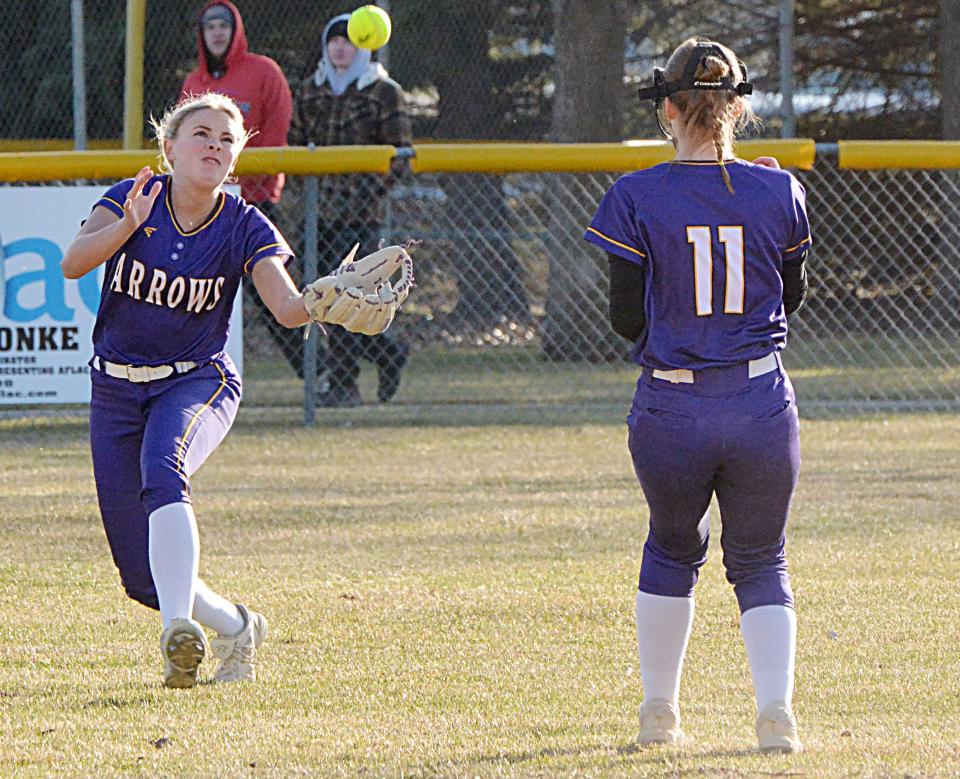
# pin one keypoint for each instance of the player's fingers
(137, 187)
(142, 177)
(154, 190)
(767, 162)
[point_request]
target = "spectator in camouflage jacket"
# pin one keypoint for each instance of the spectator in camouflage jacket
(352, 101)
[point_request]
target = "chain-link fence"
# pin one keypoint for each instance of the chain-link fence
(511, 303)
(881, 324)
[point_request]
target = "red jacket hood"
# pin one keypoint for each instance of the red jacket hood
(238, 43)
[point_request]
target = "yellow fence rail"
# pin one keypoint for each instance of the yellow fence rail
(904, 155)
(55, 166)
(21, 161)
(428, 158)
(585, 157)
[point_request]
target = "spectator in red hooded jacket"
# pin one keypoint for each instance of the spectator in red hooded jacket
(256, 84)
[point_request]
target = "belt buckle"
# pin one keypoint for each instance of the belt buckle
(137, 374)
(675, 376)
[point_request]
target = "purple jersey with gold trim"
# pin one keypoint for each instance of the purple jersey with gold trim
(712, 259)
(168, 292)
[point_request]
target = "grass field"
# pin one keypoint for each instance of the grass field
(450, 593)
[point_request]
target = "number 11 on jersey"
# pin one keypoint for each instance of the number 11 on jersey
(731, 236)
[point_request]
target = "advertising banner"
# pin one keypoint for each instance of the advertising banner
(46, 321)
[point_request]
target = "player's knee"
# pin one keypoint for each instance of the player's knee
(743, 562)
(680, 545)
(163, 483)
(663, 573)
(770, 589)
(666, 581)
(141, 589)
(760, 582)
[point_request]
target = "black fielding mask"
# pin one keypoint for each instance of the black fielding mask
(688, 80)
(662, 88)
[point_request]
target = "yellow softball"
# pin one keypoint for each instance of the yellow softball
(369, 27)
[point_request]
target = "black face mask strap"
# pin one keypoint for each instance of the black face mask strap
(662, 88)
(660, 84)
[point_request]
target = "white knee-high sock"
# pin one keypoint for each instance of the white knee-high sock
(663, 629)
(174, 550)
(216, 612)
(770, 637)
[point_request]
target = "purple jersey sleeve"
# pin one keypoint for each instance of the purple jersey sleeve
(262, 239)
(114, 198)
(799, 240)
(615, 226)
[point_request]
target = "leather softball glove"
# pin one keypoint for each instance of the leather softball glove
(358, 295)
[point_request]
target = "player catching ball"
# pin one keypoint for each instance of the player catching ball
(164, 391)
(706, 257)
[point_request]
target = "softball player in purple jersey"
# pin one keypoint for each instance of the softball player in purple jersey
(706, 260)
(164, 391)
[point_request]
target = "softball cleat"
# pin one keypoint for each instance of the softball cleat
(777, 730)
(659, 723)
(183, 645)
(237, 654)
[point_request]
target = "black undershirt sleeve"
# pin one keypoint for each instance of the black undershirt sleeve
(627, 315)
(794, 284)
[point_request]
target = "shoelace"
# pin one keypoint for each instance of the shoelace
(232, 651)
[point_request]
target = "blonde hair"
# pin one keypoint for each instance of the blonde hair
(720, 113)
(166, 129)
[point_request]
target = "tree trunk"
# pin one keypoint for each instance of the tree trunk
(589, 49)
(948, 272)
(484, 263)
(590, 52)
(465, 86)
(950, 68)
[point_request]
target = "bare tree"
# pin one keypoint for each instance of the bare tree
(587, 106)
(487, 271)
(949, 215)
(589, 43)
(950, 68)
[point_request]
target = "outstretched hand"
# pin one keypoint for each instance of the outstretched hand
(767, 162)
(139, 204)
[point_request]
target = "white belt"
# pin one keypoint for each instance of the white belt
(142, 373)
(754, 368)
